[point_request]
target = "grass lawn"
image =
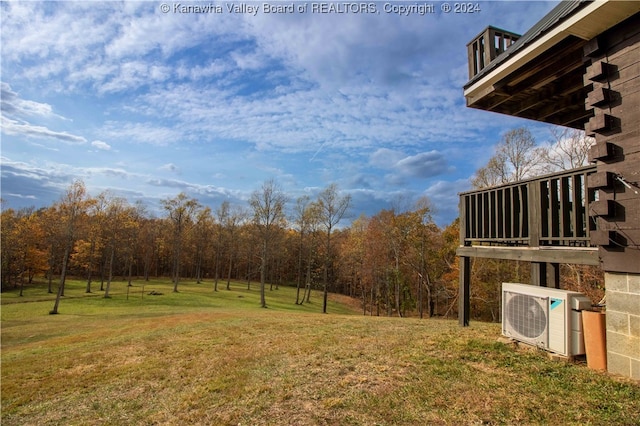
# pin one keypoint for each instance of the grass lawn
(199, 357)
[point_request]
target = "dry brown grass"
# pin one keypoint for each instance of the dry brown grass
(220, 366)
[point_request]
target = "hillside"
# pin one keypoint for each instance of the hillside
(199, 357)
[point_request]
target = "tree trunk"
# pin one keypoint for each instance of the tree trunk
(299, 274)
(106, 293)
(21, 284)
(88, 289)
(326, 273)
(130, 272)
(263, 265)
(102, 268)
(307, 289)
(229, 271)
(63, 275)
(199, 267)
(90, 267)
(176, 270)
(50, 279)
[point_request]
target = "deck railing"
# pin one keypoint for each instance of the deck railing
(551, 210)
(543, 220)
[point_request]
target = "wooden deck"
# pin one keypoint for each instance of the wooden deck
(545, 221)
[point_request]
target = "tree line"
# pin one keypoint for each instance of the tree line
(397, 262)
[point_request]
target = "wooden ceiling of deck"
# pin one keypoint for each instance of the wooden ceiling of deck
(551, 89)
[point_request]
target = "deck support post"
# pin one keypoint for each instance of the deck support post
(545, 274)
(539, 274)
(464, 295)
(553, 275)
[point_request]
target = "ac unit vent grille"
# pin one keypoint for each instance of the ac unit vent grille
(527, 315)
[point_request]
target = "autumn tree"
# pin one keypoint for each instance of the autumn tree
(231, 226)
(88, 250)
(332, 208)
(425, 262)
(376, 261)
(393, 233)
(180, 213)
(33, 257)
(121, 226)
(71, 207)
(148, 236)
(310, 247)
(352, 251)
(51, 227)
(203, 231)
(23, 251)
(301, 227)
(451, 275)
(268, 214)
(10, 219)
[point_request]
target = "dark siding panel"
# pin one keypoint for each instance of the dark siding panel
(615, 100)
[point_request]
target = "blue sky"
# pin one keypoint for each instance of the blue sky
(148, 104)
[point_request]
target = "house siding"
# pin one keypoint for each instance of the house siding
(613, 75)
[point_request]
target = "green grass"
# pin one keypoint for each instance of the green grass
(199, 357)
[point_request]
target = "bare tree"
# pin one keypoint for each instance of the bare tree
(516, 158)
(568, 150)
(300, 221)
(234, 219)
(221, 214)
(332, 207)
(312, 213)
(268, 214)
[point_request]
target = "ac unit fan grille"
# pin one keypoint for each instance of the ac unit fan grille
(526, 315)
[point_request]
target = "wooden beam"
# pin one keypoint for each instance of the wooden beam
(564, 60)
(572, 255)
(566, 85)
(571, 102)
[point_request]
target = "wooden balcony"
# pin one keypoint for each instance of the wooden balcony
(544, 220)
(486, 47)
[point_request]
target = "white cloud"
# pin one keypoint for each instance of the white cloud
(101, 145)
(385, 158)
(12, 127)
(422, 165)
(12, 104)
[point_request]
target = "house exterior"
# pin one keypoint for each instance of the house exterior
(578, 67)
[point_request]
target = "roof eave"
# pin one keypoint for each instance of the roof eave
(585, 23)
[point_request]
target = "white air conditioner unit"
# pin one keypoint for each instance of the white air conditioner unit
(548, 318)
